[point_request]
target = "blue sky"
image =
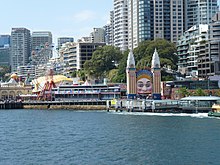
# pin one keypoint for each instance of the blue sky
(68, 18)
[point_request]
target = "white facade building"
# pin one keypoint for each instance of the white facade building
(74, 55)
(98, 35)
(189, 47)
(121, 24)
(199, 12)
(26, 71)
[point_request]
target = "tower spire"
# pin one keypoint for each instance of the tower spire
(155, 60)
(130, 60)
(131, 76)
(155, 68)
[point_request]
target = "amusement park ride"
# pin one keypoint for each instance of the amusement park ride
(45, 93)
(41, 59)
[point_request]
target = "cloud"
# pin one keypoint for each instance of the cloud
(85, 15)
(82, 16)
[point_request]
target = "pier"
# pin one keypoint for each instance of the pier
(142, 105)
(67, 104)
(11, 105)
(185, 105)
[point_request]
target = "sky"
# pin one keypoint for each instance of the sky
(64, 18)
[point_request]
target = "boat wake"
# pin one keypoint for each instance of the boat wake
(196, 115)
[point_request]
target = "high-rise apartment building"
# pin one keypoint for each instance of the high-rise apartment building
(151, 19)
(199, 12)
(108, 34)
(4, 50)
(212, 53)
(109, 30)
(139, 22)
(62, 40)
(98, 35)
(121, 24)
(168, 20)
(4, 56)
(74, 54)
(4, 40)
(40, 39)
(190, 48)
(20, 47)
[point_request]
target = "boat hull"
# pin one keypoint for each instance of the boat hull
(214, 114)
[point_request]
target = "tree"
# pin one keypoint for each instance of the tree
(165, 49)
(112, 74)
(103, 60)
(74, 74)
(3, 72)
(183, 91)
(120, 77)
(81, 74)
(200, 92)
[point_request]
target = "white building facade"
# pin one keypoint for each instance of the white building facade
(189, 47)
(121, 24)
(199, 12)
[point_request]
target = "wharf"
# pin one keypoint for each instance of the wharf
(61, 104)
(138, 105)
(67, 104)
(142, 105)
(11, 105)
(193, 104)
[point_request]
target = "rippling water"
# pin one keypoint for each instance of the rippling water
(101, 138)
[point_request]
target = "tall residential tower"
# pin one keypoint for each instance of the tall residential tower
(139, 22)
(199, 12)
(121, 24)
(20, 47)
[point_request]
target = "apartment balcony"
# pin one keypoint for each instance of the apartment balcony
(72, 61)
(183, 57)
(182, 48)
(72, 56)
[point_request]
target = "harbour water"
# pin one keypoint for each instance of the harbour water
(78, 137)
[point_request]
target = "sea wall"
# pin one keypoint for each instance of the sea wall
(67, 107)
(11, 105)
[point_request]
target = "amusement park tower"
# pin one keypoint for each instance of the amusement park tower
(131, 76)
(155, 69)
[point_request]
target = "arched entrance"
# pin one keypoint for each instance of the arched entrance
(4, 95)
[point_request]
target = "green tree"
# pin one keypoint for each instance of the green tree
(166, 50)
(120, 77)
(103, 60)
(81, 74)
(200, 92)
(74, 74)
(3, 72)
(112, 75)
(183, 91)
